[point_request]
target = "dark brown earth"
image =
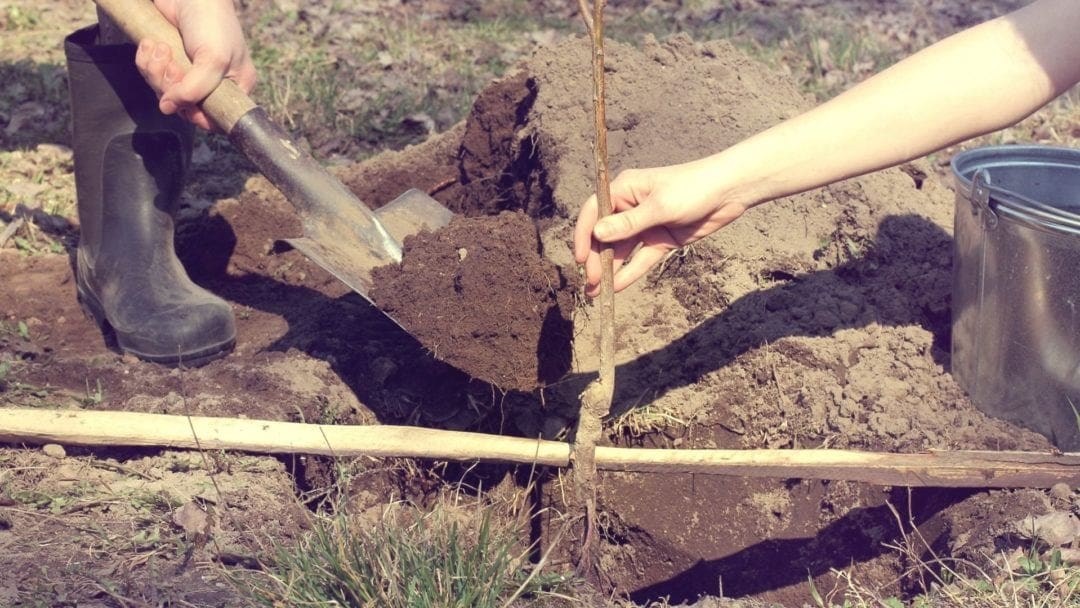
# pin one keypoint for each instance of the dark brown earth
(479, 295)
(821, 320)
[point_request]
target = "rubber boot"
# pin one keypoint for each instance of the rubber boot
(130, 163)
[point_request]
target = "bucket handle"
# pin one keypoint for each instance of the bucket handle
(980, 198)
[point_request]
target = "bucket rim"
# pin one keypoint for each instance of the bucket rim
(1012, 204)
(1009, 154)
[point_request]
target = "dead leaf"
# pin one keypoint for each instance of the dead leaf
(26, 191)
(25, 113)
(1056, 529)
(10, 230)
(544, 38)
(1070, 557)
(195, 522)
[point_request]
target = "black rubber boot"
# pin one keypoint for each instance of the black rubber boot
(130, 163)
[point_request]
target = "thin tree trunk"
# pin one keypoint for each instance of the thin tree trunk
(596, 400)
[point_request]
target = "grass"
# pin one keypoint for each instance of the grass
(18, 329)
(1036, 580)
(824, 57)
(17, 393)
(837, 59)
(15, 18)
(37, 194)
(94, 396)
(1032, 577)
(399, 80)
(649, 419)
(455, 555)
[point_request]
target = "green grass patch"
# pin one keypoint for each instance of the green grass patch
(1035, 577)
(450, 556)
(395, 82)
(16, 18)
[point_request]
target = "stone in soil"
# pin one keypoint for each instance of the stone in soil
(479, 295)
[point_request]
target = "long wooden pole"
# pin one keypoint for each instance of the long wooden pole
(976, 469)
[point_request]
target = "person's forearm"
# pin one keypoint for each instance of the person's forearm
(977, 81)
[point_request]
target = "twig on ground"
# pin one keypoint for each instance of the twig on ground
(11, 229)
(119, 468)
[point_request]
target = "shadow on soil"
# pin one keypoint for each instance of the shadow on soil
(386, 368)
(776, 563)
(33, 105)
(896, 282)
(902, 278)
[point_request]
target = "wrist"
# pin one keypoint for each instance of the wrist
(730, 178)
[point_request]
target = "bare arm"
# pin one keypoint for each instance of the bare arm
(979, 80)
(973, 82)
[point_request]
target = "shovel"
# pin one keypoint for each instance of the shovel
(341, 234)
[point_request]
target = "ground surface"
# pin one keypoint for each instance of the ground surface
(816, 321)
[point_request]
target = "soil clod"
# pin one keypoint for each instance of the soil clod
(479, 295)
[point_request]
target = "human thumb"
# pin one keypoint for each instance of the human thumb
(623, 225)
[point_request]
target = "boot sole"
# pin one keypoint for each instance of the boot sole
(197, 358)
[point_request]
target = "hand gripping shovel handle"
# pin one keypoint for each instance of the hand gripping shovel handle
(140, 20)
(326, 206)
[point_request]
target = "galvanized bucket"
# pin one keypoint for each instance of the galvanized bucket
(1016, 286)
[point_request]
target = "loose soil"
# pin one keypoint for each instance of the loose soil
(479, 295)
(817, 320)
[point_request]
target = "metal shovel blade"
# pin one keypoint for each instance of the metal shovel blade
(350, 258)
(341, 234)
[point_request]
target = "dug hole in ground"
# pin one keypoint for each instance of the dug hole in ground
(821, 320)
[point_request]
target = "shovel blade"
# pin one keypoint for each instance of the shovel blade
(412, 212)
(350, 259)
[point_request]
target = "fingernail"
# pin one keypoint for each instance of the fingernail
(159, 51)
(602, 230)
(167, 107)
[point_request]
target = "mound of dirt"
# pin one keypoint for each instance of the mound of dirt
(479, 295)
(820, 320)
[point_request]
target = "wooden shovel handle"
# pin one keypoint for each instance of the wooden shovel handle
(140, 20)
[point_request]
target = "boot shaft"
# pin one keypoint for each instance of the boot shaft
(130, 163)
(130, 159)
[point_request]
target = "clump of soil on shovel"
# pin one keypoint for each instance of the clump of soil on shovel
(480, 296)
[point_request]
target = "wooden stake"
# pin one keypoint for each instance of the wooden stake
(968, 469)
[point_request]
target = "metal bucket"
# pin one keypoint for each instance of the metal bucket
(1016, 286)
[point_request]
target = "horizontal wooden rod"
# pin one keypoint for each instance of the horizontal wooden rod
(979, 469)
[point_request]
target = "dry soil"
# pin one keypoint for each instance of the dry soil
(817, 320)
